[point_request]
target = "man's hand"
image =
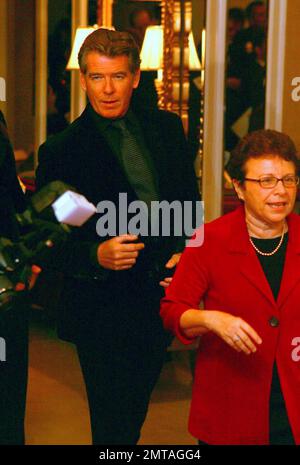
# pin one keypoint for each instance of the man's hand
(233, 83)
(119, 253)
(170, 264)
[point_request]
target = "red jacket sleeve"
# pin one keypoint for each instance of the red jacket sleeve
(186, 290)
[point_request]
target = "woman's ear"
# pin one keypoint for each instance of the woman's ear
(238, 187)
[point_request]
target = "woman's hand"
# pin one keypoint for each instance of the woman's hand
(234, 331)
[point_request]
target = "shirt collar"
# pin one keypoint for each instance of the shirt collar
(103, 123)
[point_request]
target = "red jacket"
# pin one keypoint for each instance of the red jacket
(230, 402)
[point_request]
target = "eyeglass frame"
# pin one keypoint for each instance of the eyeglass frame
(277, 181)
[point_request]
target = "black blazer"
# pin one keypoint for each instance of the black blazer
(12, 198)
(81, 157)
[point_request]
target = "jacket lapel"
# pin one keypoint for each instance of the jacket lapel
(101, 163)
(291, 272)
(245, 257)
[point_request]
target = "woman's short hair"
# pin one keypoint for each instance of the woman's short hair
(258, 144)
(111, 44)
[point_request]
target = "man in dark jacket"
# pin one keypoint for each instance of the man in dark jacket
(13, 322)
(110, 302)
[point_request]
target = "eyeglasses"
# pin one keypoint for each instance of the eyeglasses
(268, 182)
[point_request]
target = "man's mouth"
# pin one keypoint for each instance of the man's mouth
(109, 102)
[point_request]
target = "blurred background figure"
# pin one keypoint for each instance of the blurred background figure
(56, 120)
(246, 70)
(145, 96)
(255, 83)
(234, 101)
(139, 19)
(236, 20)
(58, 77)
(243, 44)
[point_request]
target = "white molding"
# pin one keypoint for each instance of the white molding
(3, 55)
(213, 147)
(41, 74)
(107, 8)
(275, 64)
(78, 96)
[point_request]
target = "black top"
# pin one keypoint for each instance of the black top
(280, 430)
(272, 265)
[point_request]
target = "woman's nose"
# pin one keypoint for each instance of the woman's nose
(280, 187)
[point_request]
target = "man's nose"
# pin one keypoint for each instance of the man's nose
(108, 86)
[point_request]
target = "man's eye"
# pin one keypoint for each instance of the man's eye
(96, 78)
(119, 76)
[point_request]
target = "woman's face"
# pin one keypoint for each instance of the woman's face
(270, 206)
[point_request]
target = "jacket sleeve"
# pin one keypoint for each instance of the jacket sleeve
(76, 257)
(12, 198)
(188, 182)
(188, 287)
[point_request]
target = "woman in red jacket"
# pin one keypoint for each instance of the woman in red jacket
(247, 273)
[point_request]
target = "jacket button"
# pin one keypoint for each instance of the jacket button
(274, 322)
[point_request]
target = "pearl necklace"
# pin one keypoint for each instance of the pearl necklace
(269, 254)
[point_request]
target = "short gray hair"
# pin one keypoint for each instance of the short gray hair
(111, 44)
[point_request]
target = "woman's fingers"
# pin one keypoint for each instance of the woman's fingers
(251, 332)
(235, 332)
(232, 344)
(244, 344)
(246, 338)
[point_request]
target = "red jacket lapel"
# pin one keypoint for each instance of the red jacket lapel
(291, 272)
(245, 256)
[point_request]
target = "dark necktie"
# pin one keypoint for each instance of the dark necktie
(135, 165)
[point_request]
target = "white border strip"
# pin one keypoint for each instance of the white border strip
(41, 74)
(275, 64)
(213, 147)
(78, 96)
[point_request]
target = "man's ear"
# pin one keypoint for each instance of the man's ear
(136, 78)
(237, 185)
(83, 81)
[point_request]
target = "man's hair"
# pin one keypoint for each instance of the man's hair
(250, 8)
(237, 15)
(261, 144)
(110, 44)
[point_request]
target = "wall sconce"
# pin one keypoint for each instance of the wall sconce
(80, 36)
(152, 50)
(152, 55)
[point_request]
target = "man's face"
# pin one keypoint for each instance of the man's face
(259, 16)
(233, 28)
(109, 83)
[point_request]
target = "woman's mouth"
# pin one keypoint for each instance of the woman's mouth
(277, 205)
